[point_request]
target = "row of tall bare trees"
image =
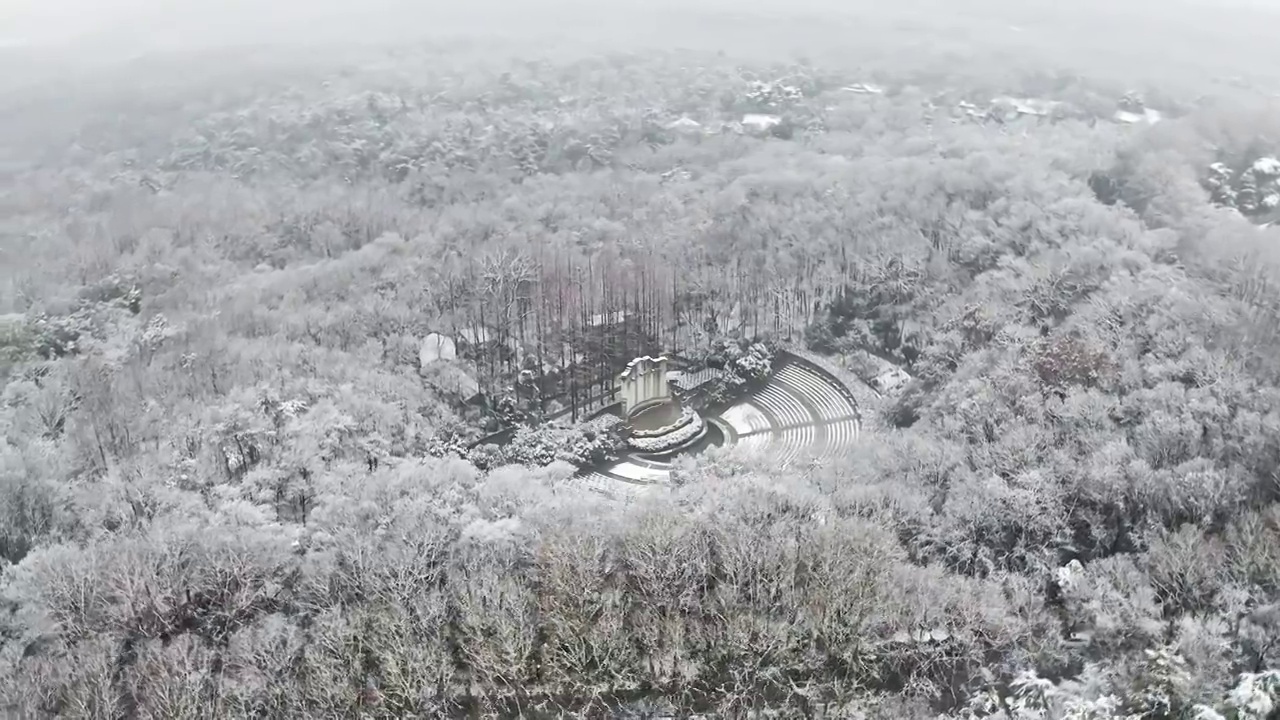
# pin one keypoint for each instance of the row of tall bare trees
(565, 322)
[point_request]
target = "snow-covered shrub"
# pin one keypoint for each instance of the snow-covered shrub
(589, 443)
(485, 456)
(744, 362)
(534, 446)
(1255, 697)
(593, 442)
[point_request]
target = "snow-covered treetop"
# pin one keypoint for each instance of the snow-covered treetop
(1268, 166)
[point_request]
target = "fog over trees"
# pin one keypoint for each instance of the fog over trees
(311, 318)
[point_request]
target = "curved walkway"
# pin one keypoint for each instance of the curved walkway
(802, 414)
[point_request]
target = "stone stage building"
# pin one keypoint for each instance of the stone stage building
(643, 383)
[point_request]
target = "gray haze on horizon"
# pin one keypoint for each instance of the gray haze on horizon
(1137, 39)
(169, 23)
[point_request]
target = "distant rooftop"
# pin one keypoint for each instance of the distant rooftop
(688, 381)
(1026, 106)
(436, 347)
(602, 319)
(475, 336)
(760, 121)
(1148, 116)
(864, 89)
(685, 124)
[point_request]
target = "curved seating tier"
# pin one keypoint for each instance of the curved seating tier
(801, 414)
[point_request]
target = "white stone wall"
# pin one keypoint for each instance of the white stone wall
(644, 380)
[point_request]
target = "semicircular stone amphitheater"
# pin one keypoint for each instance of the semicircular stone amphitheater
(802, 414)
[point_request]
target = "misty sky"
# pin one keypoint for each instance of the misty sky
(1164, 38)
(44, 21)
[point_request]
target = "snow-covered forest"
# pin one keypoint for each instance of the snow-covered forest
(261, 306)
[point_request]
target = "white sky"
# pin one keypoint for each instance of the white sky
(151, 23)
